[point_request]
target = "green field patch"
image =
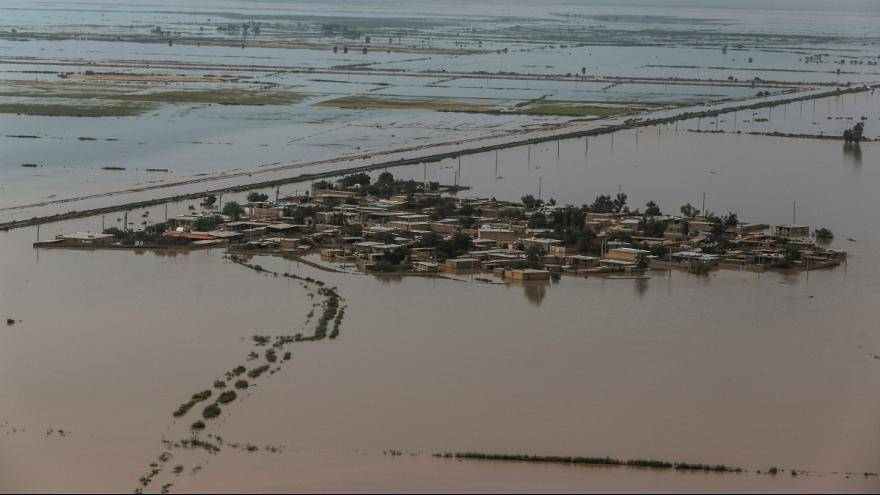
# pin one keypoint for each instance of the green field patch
(362, 102)
(74, 110)
(577, 108)
(218, 96)
(106, 100)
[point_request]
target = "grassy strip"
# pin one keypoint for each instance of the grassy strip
(105, 92)
(575, 109)
(220, 96)
(593, 461)
(387, 103)
(58, 110)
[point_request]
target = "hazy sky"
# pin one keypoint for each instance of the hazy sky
(836, 5)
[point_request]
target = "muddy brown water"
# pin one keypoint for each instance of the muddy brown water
(750, 370)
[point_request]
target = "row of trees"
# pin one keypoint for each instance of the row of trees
(385, 185)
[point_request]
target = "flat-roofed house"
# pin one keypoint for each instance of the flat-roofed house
(792, 231)
(86, 239)
(461, 263)
(628, 255)
(499, 234)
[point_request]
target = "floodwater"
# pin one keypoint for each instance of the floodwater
(750, 370)
(744, 369)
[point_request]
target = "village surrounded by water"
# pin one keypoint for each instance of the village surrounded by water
(400, 226)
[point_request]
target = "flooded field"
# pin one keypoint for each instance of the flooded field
(344, 103)
(767, 372)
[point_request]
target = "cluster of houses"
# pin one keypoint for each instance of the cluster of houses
(366, 232)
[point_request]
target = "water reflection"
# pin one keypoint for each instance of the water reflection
(852, 152)
(535, 291)
(389, 278)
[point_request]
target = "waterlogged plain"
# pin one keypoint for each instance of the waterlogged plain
(163, 65)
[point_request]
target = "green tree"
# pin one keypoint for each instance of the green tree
(385, 178)
(689, 211)
(824, 234)
(360, 178)
(531, 202)
(534, 254)
(257, 197)
(455, 246)
(322, 185)
(207, 224)
(233, 210)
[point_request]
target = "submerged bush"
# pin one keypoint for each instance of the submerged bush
(186, 406)
(211, 411)
(256, 372)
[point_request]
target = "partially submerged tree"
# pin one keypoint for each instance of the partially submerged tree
(854, 134)
(824, 234)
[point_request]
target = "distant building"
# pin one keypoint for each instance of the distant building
(85, 239)
(425, 266)
(544, 244)
(527, 274)
(461, 263)
(501, 235)
(792, 231)
(628, 255)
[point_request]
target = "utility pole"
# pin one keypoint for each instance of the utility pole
(530, 156)
(539, 187)
(277, 192)
(166, 215)
(102, 226)
(459, 167)
(38, 232)
(794, 213)
(703, 210)
(125, 221)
